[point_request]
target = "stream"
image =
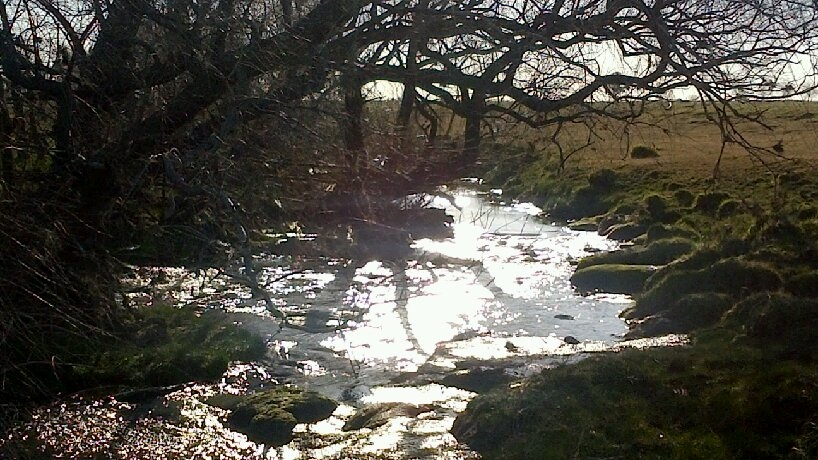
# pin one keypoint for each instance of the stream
(494, 301)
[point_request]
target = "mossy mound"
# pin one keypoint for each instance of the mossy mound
(583, 202)
(779, 319)
(691, 312)
(612, 278)
(803, 284)
(733, 276)
(269, 416)
(660, 403)
(659, 252)
(662, 232)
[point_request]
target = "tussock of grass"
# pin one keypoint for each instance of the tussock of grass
(733, 276)
(611, 278)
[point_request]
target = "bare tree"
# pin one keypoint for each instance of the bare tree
(545, 62)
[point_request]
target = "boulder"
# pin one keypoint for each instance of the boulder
(377, 415)
(269, 416)
(626, 231)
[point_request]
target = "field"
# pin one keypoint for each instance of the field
(690, 145)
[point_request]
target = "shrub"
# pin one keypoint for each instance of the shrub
(643, 151)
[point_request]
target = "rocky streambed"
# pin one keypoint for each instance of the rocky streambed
(399, 346)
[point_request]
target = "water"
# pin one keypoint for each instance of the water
(496, 296)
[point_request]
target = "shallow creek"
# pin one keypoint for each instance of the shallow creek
(496, 297)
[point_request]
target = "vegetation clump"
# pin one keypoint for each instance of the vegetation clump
(643, 151)
(710, 202)
(734, 276)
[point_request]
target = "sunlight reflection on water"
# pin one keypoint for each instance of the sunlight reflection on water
(497, 290)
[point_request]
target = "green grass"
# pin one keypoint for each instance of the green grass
(737, 250)
(715, 400)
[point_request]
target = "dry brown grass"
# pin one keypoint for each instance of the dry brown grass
(690, 145)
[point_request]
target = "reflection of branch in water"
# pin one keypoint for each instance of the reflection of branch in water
(401, 301)
(250, 280)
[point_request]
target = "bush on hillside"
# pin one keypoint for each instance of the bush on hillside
(643, 151)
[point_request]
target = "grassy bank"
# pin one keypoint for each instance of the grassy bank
(729, 257)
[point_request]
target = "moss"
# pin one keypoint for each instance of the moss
(585, 201)
(663, 231)
(791, 322)
(803, 284)
(643, 151)
(269, 416)
(656, 206)
(612, 278)
(656, 253)
(689, 313)
(733, 276)
(715, 400)
(728, 208)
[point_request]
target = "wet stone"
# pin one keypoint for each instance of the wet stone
(478, 379)
(376, 415)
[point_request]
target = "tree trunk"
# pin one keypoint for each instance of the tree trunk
(474, 115)
(352, 118)
(287, 12)
(407, 102)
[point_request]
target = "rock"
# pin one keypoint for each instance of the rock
(588, 224)
(478, 379)
(608, 221)
(377, 415)
(269, 416)
(626, 232)
(571, 340)
(612, 278)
